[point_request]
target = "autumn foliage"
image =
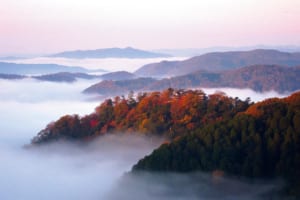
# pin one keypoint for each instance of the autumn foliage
(168, 113)
(263, 141)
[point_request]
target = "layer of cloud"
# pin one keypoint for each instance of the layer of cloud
(27, 106)
(108, 64)
(57, 171)
(31, 90)
(245, 93)
(73, 171)
(192, 186)
(68, 171)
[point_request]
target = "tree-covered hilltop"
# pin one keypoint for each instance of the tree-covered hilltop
(169, 113)
(211, 133)
(263, 141)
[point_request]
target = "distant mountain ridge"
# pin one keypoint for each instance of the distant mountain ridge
(69, 77)
(191, 52)
(260, 78)
(257, 77)
(219, 61)
(109, 87)
(23, 69)
(110, 53)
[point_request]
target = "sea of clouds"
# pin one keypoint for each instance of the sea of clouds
(73, 171)
(107, 64)
(57, 171)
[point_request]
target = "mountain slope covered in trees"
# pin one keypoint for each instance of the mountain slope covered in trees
(213, 133)
(219, 61)
(263, 141)
(169, 113)
(260, 78)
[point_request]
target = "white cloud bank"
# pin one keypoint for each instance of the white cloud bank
(245, 93)
(108, 64)
(66, 171)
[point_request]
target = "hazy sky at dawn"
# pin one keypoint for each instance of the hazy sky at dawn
(35, 26)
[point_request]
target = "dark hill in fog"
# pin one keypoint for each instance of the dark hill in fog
(72, 77)
(110, 87)
(23, 69)
(257, 77)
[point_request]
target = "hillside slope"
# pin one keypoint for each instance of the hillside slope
(169, 113)
(260, 78)
(262, 142)
(219, 61)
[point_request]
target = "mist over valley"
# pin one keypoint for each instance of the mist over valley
(72, 144)
(67, 170)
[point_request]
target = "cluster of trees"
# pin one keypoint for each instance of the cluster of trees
(263, 141)
(207, 132)
(169, 113)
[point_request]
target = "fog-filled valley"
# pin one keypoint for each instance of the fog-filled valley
(68, 171)
(88, 171)
(150, 100)
(57, 171)
(108, 64)
(192, 186)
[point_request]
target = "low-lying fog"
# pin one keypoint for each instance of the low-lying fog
(108, 64)
(58, 171)
(73, 171)
(245, 93)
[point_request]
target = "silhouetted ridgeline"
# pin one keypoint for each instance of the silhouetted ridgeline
(260, 78)
(263, 141)
(110, 53)
(23, 69)
(70, 77)
(110, 87)
(11, 76)
(220, 61)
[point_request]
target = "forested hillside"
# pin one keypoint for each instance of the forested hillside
(169, 113)
(263, 141)
(210, 133)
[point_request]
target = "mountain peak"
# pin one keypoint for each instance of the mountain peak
(115, 52)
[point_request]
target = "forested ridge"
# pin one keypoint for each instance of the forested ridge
(206, 132)
(263, 141)
(169, 113)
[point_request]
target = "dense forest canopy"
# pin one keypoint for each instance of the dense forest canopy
(169, 113)
(211, 133)
(263, 141)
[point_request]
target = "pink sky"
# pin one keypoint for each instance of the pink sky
(34, 26)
